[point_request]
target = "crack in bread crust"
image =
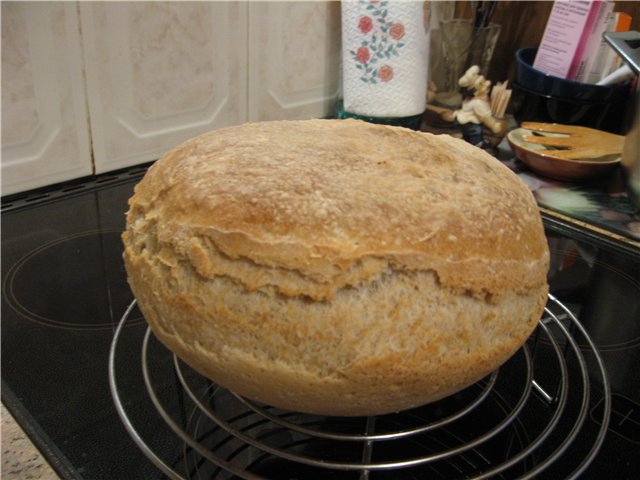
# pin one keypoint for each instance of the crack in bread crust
(402, 333)
(208, 261)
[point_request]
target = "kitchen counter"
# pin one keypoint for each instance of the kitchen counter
(20, 458)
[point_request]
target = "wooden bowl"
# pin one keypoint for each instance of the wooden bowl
(541, 160)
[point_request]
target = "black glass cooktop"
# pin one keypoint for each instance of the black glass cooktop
(64, 291)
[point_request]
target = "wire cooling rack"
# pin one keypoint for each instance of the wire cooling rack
(536, 416)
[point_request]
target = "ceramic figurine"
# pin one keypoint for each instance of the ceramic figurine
(475, 113)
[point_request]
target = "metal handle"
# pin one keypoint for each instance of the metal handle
(627, 45)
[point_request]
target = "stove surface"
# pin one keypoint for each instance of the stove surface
(64, 290)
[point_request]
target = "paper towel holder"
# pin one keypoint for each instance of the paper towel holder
(413, 122)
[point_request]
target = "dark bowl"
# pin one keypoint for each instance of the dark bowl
(528, 105)
(540, 82)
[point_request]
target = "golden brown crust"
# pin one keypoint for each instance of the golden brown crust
(287, 238)
(320, 197)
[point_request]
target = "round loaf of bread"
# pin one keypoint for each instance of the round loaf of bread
(335, 266)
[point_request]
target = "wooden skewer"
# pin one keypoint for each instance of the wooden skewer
(500, 97)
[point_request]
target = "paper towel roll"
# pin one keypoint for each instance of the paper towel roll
(385, 57)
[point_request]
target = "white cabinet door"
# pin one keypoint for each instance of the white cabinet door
(45, 136)
(159, 73)
(294, 58)
(91, 87)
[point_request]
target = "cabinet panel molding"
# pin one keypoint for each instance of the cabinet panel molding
(294, 59)
(159, 73)
(45, 135)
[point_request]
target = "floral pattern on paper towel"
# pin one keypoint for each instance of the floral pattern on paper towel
(381, 42)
